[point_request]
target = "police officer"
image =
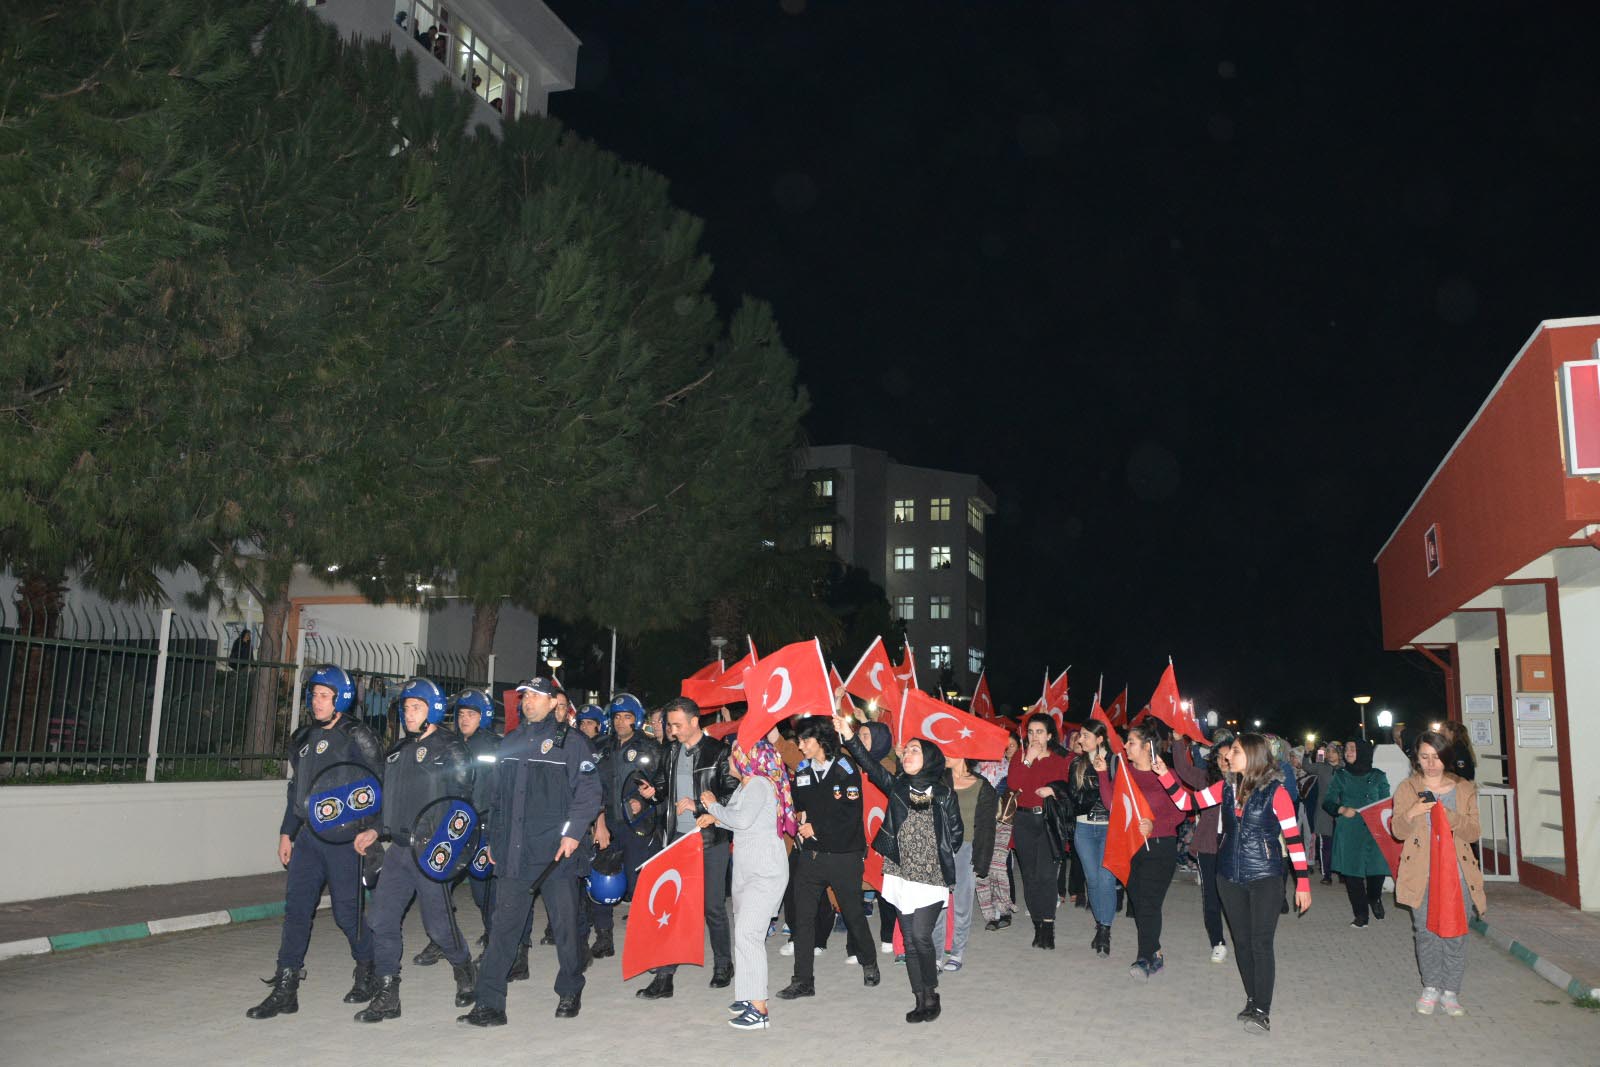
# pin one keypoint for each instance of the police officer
(330, 737)
(629, 822)
(474, 709)
(427, 764)
(832, 852)
(696, 763)
(545, 796)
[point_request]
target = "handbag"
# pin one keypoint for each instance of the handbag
(1006, 810)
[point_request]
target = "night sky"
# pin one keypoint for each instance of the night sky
(1204, 292)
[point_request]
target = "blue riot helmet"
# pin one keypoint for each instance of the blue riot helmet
(337, 679)
(626, 702)
(426, 691)
(476, 700)
(596, 714)
(606, 882)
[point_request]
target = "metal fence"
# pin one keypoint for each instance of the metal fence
(121, 695)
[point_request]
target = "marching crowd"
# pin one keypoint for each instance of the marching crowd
(835, 819)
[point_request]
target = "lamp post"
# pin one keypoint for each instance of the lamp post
(1361, 706)
(554, 663)
(1385, 720)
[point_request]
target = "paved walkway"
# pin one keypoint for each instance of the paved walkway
(181, 999)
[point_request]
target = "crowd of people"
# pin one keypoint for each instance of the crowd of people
(573, 801)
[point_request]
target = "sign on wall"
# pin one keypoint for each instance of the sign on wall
(1482, 731)
(1430, 547)
(1480, 704)
(1580, 415)
(1535, 735)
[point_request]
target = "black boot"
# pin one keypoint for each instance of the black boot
(722, 975)
(660, 988)
(365, 987)
(1103, 935)
(1037, 928)
(466, 984)
(482, 1016)
(519, 968)
(603, 944)
(930, 1005)
(385, 1004)
(549, 937)
(917, 1014)
(284, 998)
(428, 956)
(799, 987)
(870, 975)
(569, 1006)
(1047, 935)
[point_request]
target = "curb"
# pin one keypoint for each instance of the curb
(39, 946)
(1557, 977)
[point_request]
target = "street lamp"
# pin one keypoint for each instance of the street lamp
(1361, 706)
(1258, 723)
(555, 666)
(1385, 720)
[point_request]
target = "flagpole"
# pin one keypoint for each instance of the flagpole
(1129, 777)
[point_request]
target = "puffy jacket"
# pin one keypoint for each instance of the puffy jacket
(1249, 849)
(711, 774)
(948, 833)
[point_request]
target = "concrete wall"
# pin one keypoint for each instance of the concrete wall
(1580, 626)
(86, 838)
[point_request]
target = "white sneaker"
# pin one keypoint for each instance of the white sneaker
(1219, 953)
(818, 951)
(887, 948)
(1452, 1007)
(851, 960)
(1428, 1001)
(787, 949)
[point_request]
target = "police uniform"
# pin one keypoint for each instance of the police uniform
(314, 862)
(482, 748)
(544, 788)
(417, 772)
(623, 765)
(830, 796)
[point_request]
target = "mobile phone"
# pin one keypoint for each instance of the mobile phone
(1426, 796)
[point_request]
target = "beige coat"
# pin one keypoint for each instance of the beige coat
(1412, 826)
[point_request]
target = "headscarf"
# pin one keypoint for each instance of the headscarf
(877, 739)
(1362, 764)
(932, 766)
(764, 762)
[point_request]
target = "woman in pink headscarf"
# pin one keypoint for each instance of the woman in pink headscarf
(759, 813)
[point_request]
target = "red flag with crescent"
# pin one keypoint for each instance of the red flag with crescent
(982, 701)
(1118, 711)
(1171, 709)
(1113, 739)
(668, 922)
(953, 730)
(1124, 837)
(791, 681)
(874, 805)
(874, 677)
(701, 686)
(905, 675)
(1376, 815)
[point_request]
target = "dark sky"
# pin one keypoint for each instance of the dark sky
(1204, 292)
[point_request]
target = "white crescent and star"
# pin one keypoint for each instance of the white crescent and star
(785, 690)
(872, 676)
(872, 828)
(927, 727)
(677, 881)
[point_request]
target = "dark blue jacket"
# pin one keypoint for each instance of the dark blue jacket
(1249, 849)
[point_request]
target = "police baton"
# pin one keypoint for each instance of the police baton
(539, 881)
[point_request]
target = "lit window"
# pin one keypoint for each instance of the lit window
(938, 607)
(822, 488)
(822, 535)
(974, 563)
(977, 617)
(939, 557)
(975, 514)
(938, 656)
(974, 660)
(905, 559)
(905, 510)
(939, 509)
(905, 607)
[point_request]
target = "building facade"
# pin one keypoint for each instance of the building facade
(1493, 575)
(919, 533)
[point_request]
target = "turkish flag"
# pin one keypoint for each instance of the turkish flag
(874, 677)
(1170, 709)
(1113, 739)
(701, 686)
(668, 922)
(982, 703)
(1377, 815)
(1124, 838)
(1118, 711)
(721, 730)
(1447, 909)
(790, 681)
(512, 700)
(955, 732)
(1144, 713)
(905, 675)
(874, 805)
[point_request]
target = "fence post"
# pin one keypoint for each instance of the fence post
(158, 695)
(294, 693)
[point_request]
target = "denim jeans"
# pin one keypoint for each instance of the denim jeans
(1089, 839)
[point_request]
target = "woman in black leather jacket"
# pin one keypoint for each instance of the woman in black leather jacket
(918, 840)
(1090, 823)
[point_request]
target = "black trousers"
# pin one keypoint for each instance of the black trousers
(823, 921)
(922, 959)
(717, 926)
(1149, 878)
(1213, 901)
(1362, 891)
(1039, 862)
(1253, 910)
(401, 882)
(815, 874)
(513, 904)
(312, 864)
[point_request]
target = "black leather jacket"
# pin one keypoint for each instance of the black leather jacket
(710, 773)
(948, 833)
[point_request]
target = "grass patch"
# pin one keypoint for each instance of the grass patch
(1589, 1001)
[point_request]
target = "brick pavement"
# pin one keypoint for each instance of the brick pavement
(180, 999)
